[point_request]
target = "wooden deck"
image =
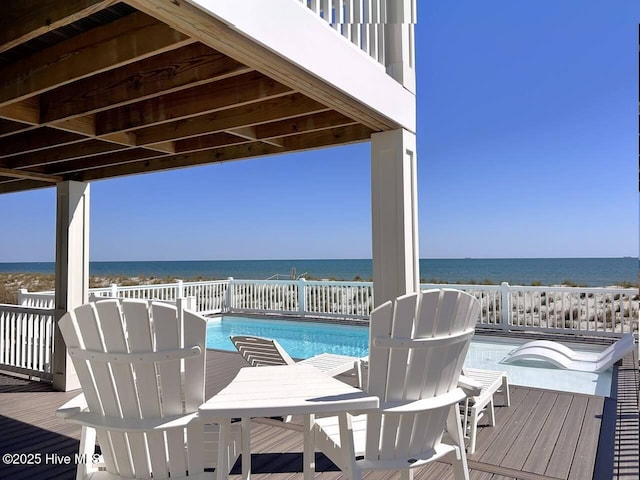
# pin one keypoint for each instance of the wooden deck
(543, 435)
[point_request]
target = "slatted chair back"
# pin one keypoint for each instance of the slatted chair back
(417, 348)
(261, 352)
(142, 369)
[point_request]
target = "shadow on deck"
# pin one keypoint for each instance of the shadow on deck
(543, 435)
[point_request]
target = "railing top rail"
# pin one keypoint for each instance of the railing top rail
(151, 286)
(264, 282)
(470, 286)
(536, 288)
(206, 282)
(567, 289)
(339, 283)
(20, 309)
(47, 293)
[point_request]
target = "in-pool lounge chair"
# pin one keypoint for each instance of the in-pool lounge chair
(563, 357)
(138, 403)
(265, 352)
(417, 348)
(261, 352)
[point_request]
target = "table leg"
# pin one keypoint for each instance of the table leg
(309, 452)
(246, 448)
(222, 469)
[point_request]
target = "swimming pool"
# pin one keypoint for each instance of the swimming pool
(306, 339)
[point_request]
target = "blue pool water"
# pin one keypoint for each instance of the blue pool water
(306, 339)
(299, 339)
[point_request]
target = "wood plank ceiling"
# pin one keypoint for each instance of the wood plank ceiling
(94, 89)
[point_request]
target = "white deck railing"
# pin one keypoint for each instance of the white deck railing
(338, 299)
(365, 23)
(579, 310)
(26, 340)
(26, 331)
(572, 310)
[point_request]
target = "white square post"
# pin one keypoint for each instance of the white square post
(71, 271)
(394, 206)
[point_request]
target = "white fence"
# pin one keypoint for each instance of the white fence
(353, 300)
(26, 340)
(571, 310)
(26, 331)
(576, 310)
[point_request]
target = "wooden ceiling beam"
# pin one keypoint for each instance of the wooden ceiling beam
(71, 167)
(185, 67)
(27, 111)
(122, 138)
(82, 125)
(19, 185)
(319, 139)
(23, 20)
(239, 90)
(307, 123)
(249, 133)
(131, 38)
(233, 118)
(39, 139)
(26, 175)
(10, 127)
(207, 142)
(85, 149)
(166, 147)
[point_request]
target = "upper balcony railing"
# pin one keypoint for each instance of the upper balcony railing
(384, 29)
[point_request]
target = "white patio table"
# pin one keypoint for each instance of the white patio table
(279, 391)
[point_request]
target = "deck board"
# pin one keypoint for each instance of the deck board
(543, 435)
(504, 439)
(584, 459)
(565, 446)
(544, 446)
(516, 456)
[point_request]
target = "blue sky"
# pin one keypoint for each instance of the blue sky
(527, 147)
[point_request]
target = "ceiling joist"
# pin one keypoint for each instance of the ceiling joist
(22, 174)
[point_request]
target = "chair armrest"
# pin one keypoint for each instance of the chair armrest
(471, 387)
(416, 406)
(72, 407)
(95, 420)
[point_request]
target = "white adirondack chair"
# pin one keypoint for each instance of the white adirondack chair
(417, 347)
(142, 370)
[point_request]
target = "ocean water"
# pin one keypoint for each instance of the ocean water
(591, 272)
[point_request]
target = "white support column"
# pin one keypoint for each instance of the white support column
(72, 269)
(394, 206)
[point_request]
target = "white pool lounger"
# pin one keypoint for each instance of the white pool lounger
(563, 357)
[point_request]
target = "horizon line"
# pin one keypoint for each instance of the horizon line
(331, 259)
